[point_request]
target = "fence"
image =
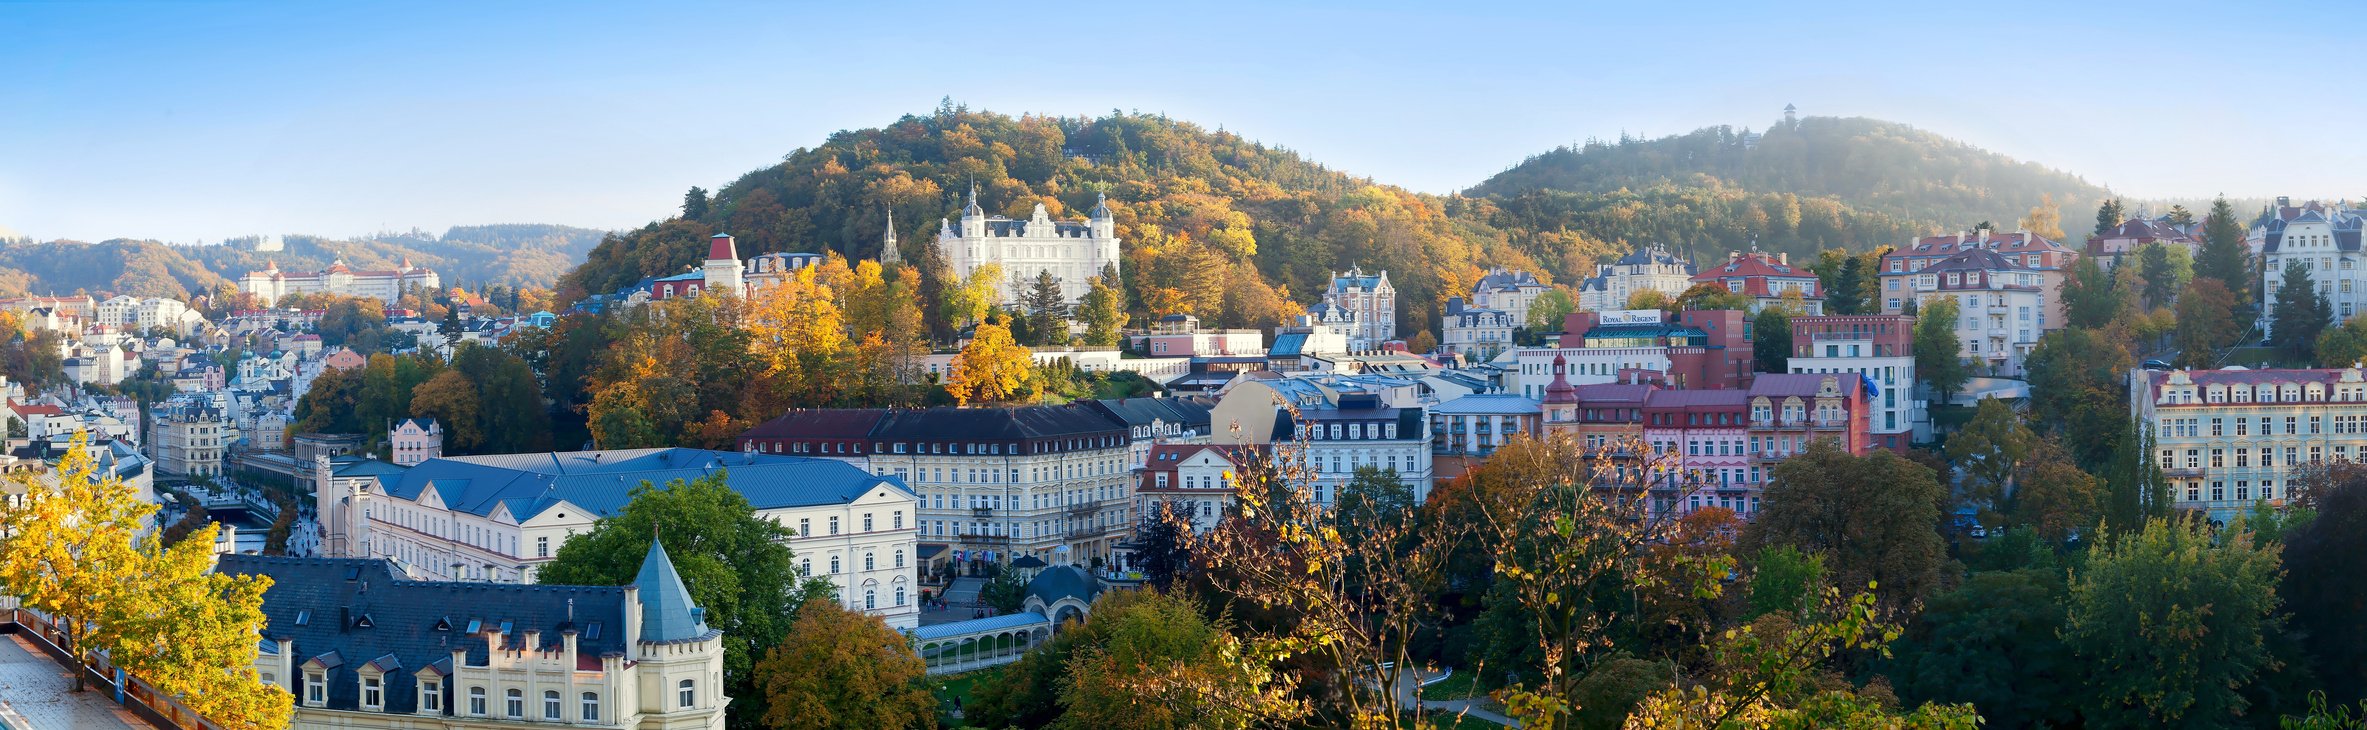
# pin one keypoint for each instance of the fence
(135, 695)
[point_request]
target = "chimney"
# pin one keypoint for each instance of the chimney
(534, 639)
(344, 618)
(2283, 201)
(1783, 258)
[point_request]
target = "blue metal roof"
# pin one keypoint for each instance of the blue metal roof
(602, 481)
(667, 613)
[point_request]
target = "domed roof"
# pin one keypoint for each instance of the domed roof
(1063, 581)
(1560, 391)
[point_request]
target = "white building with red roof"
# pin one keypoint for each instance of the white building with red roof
(1196, 479)
(2046, 263)
(1766, 278)
(386, 285)
(2228, 439)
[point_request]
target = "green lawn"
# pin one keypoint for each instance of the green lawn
(948, 688)
(1456, 686)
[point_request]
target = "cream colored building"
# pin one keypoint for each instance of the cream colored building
(2229, 439)
(993, 484)
(187, 438)
(360, 645)
(500, 518)
(1074, 251)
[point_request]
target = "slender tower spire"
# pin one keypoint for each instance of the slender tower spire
(887, 243)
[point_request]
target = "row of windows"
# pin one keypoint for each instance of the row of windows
(2243, 457)
(2267, 426)
(431, 696)
(870, 562)
(805, 525)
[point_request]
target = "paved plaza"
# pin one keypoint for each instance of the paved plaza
(42, 692)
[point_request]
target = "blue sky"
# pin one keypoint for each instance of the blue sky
(202, 120)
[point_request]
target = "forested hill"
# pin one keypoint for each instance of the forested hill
(1235, 231)
(526, 255)
(1212, 223)
(1869, 165)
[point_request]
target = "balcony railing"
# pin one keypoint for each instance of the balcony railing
(1083, 509)
(983, 538)
(982, 511)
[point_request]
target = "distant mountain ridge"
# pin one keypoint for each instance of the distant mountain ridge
(530, 254)
(1869, 165)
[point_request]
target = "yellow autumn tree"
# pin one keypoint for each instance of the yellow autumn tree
(992, 368)
(193, 635)
(66, 550)
(795, 327)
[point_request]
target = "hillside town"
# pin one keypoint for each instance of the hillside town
(710, 366)
(980, 532)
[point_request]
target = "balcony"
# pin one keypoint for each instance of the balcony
(1084, 533)
(1083, 509)
(983, 539)
(982, 511)
(2183, 471)
(1999, 333)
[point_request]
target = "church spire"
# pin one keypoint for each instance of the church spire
(1101, 206)
(887, 243)
(972, 210)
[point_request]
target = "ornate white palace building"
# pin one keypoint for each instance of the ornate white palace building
(1074, 251)
(271, 284)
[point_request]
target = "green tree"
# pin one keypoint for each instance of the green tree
(1006, 592)
(2091, 297)
(737, 566)
(2168, 625)
(1104, 312)
(2181, 216)
(1711, 296)
(1992, 643)
(2206, 322)
(2345, 345)
(1771, 340)
(2165, 270)
(841, 670)
(2108, 216)
(1939, 355)
(1783, 580)
(1047, 311)
(2321, 561)
(2299, 316)
(2224, 256)
(1845, 294)
(694, 203)
(1548, 310)
(1161, 545)
(2053, 496)
(2134, 488)
(1875, 518)
(1988, 450)
(1158, 664)
(2076, 390)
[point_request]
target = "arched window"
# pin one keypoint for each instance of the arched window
(550, 704)
(870, 599)
(591, 707)
(688, 694)
(834, 565)
(476, 701)
(899, 558)
(899, 595)
(806, 567)
(513, 702)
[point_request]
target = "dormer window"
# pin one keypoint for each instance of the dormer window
(316, 689)
(373, 692)
(431, 695)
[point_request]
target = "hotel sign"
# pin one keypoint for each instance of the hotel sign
(1632, 316)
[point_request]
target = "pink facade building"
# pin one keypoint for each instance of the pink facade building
(1700, 436)
(416, 440)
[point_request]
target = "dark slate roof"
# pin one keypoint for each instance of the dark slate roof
(414, 624)
(1063, 581)
(1506, 280)
(1191, 413)
(1652, 255)
(602, 481)
(987, 424)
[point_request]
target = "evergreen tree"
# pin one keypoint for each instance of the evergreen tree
(2161, 278)
(1771, 340)
(1846, 293)
(2181, 216)
(2108, 216)
(2300, 314)
(2134, 488)
(1938, 354)
(694, 203)
(2224, 256)
(1047, 312)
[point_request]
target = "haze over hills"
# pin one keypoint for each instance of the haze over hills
(530, 255)
(1228, 229)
